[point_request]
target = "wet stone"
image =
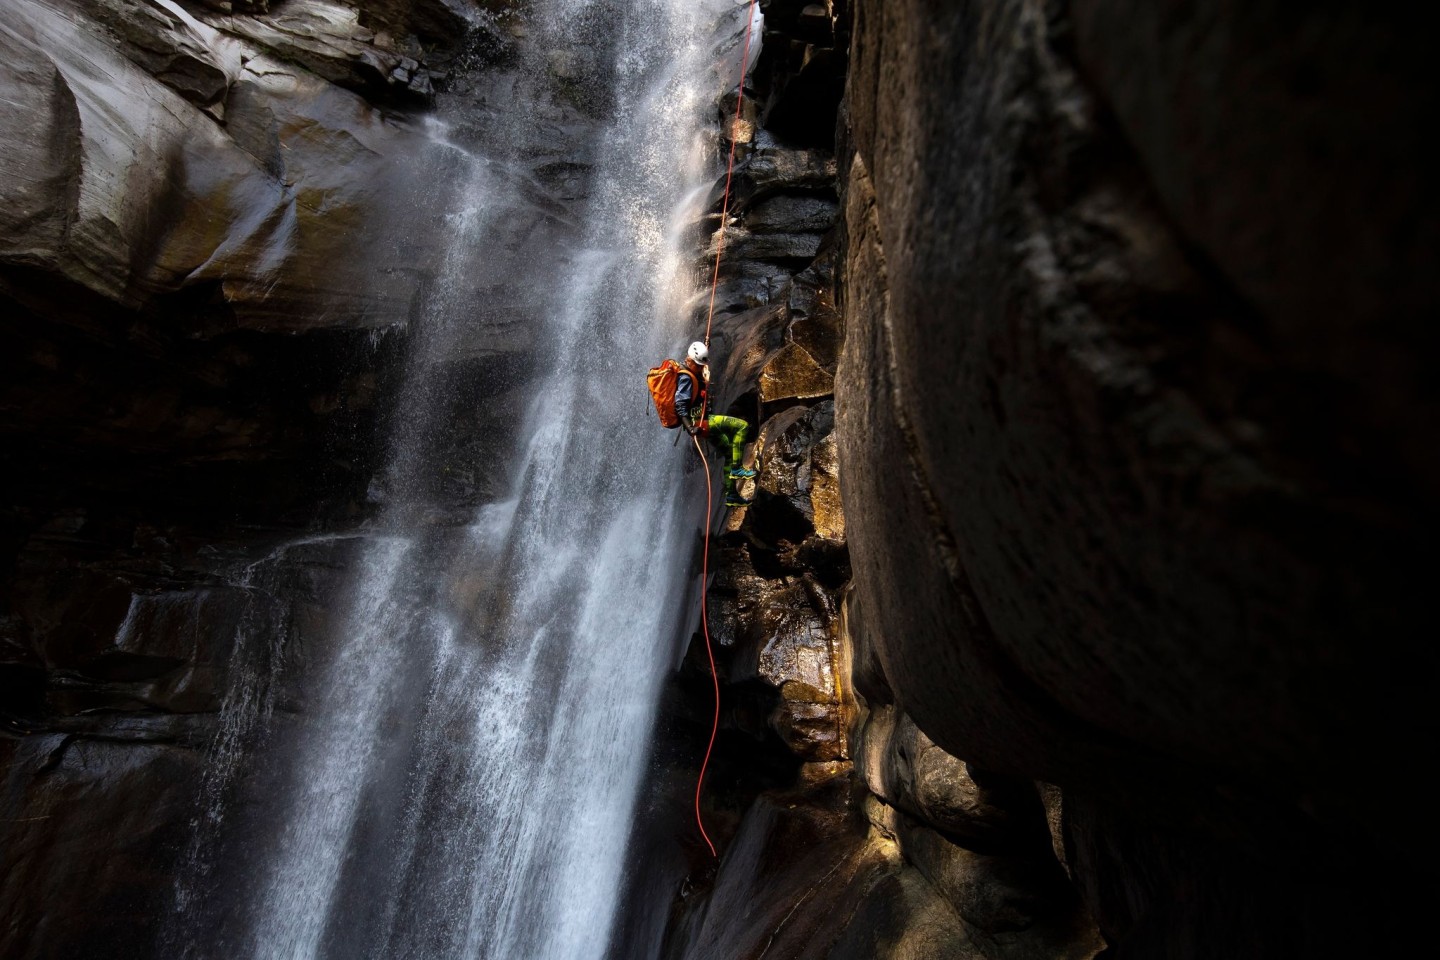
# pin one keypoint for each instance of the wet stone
(812, 731)
(828, 511)
(797, 648)
(787, 451)
(791, 214)
(740, 242)
(794, 374)
(773, 168)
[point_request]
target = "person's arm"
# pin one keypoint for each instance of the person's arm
(684, 393)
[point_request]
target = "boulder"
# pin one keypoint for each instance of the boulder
(904, 769)
(790, 214)
(1147, 534)
(1022, 904)
(799, 882)
(794, 374)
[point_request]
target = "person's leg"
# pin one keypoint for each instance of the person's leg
(730, 433)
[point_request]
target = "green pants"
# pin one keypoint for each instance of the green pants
(728, 433)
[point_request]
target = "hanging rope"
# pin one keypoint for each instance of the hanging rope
(709, 486)
(730, 167)
(709, 650)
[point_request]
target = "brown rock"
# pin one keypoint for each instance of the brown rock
(825, 501)
(257, 219)
(797, 649)
(1022, 901)
(798, 882)
(812, 731)
(794, 374)
(949, 797)
(166, 47)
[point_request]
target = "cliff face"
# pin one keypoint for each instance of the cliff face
(845, 830)
(1132, 396)
(1131, 419)
(1108, 323)
(218, 225)
(241, 158)
(221, 231)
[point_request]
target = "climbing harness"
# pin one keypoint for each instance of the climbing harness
(709, 486)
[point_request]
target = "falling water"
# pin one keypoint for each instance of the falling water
(463, 777)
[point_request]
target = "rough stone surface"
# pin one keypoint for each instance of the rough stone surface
(1022, 904)
(130, 638)
(856, 898)
(54, 916)
(203, 154)
(793, 374)
(220, 237)
(902, 767)
(790, 214)
(949, 862)
(1129, 415)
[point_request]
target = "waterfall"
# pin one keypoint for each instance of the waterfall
(465, 766)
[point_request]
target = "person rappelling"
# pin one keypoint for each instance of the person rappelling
(681, 395)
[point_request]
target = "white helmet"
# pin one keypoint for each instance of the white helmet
(699, 353)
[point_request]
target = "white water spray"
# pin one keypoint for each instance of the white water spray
(466, 773)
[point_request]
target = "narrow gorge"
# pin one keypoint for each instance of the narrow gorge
(350, 591)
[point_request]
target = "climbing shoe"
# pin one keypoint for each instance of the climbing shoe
(735, 500)
(742, 473)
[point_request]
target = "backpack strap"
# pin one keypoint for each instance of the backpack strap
(698, 392)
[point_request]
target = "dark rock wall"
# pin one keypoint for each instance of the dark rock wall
(844, 831)
(1135, 442)
(220, 230)
(1109, 320)
(139, 657)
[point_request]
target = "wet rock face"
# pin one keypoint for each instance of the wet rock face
(72, 819)
(784, 557)
(136, 659)
(906, 770)
(871, 840)
(221, 230)
(189, 187)
(1127, 415)
(240, 160)
(811, 886)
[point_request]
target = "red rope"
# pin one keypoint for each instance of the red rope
(709, 487)
(709, 650)
(730, 167)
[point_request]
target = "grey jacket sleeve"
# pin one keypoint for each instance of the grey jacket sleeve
(684, 394)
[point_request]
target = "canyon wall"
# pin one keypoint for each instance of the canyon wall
(221, 227)
(1107, 323)
(1134, 441)
(1134, 394)
(844, 830)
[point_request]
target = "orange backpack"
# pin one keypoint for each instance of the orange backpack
(663, 380)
